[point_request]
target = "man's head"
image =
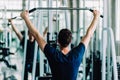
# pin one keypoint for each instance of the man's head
(64, 37)
(31, 37)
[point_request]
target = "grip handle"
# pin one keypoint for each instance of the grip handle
(32, 10)
(14, 18)
(92, 11)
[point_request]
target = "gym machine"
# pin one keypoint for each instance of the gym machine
(4, 52)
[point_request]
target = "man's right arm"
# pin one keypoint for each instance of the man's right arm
(40, 40)
(90, 31)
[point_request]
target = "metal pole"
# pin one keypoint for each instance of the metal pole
(113, 54)
(109, 43)
(104, 41)
(57, 16)
(34, 61)
(71, 15)
(104, 48)
(108, 59)
(103, 51)
(35, 49)
(78, 23)
(50, 22)
(84, 58)
(50, 16)
(66, 13)
(40, 21)
(25, 46)
(5, 25)
(117, 23)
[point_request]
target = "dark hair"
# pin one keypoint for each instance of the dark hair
(64, 37)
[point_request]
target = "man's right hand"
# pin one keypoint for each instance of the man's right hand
(25, 14)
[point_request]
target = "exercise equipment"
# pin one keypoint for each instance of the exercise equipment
(110, 56)
(60, 8)
(52, 42)
(92, 11)
(4, 52)
(30, 11)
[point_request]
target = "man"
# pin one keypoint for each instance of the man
(64, 63)
(29, 50)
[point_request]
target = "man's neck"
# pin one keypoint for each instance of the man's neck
(65, 50)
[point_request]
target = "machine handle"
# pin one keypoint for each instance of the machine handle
(32, 10)
(92, 11)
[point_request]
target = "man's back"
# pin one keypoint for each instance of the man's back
(64, 67)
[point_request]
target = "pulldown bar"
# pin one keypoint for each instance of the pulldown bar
(60, 8)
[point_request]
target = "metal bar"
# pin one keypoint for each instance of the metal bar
(61, 8)
(46, 8)
(35, 50)
(50, 24)
(40, 21)
(108, 59)
(117, 24)
(65, 8)
(4, 21)
(84, 58)
(113, 54)
(66, 14)
(103, 51)
(35, 47)
(12, 10)
(57, 16)
(51, 8)
(50, 16)
(25, 47)
(104, 48)
(78, 22)
(71, 15)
